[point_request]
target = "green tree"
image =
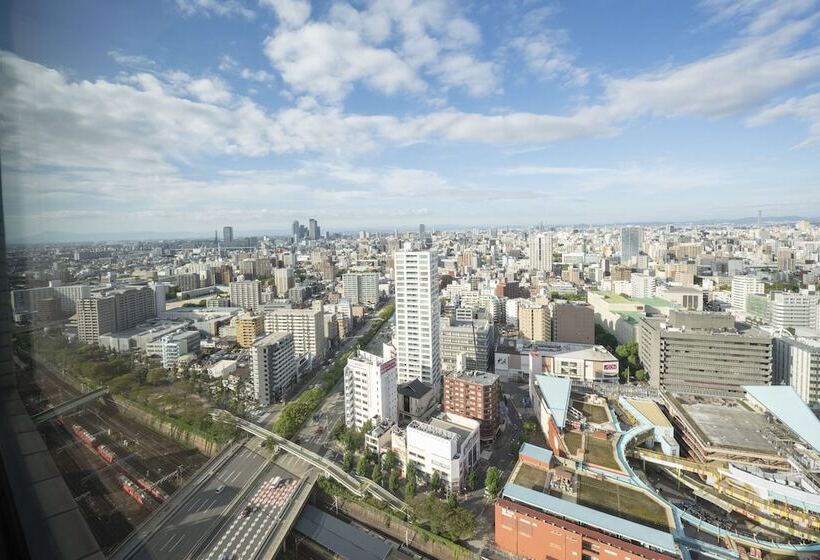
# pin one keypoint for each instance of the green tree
(389, 460)
(435, 482)
(393, 481)
(376, 474)
(452, 500)
(347, 461)
(492, 481)
(530, 425)
(410, 484)
(155, 376)
(472, 479)
(640, 375)
(361, 467)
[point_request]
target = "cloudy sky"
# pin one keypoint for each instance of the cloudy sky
(187, 115)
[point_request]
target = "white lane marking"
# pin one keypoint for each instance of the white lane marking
(176, 544)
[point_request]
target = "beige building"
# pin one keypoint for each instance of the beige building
(248, 327)
(306, 325)
(533, 321)
(95, 316)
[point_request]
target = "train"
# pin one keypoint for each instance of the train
(140, 489)
(132, 490)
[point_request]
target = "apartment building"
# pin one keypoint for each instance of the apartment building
(476, 395)
(417, 317)
(116, 310)
(248, 327)
(541, 252)
(246, 294)
(361, 287)
(306, 325)
(742, 286)
(370, 390)
(273, 367)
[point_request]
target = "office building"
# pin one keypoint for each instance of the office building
(361, 287)
(313, 230)
(306, 325)
(476, 395)
(370, 390)
(248, 328)
(540, 246)
(417, 317)
(273, 367)
(246, 294)
(571, 321)
(631, 243)
(171, 346)
(227, 236)
(447, 444)
(743, 286)
(295, 230)
(467, 344)
(702, 353)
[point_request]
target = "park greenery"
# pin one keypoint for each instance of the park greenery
(298, 411)
(492, 482)
(582, 296)
(630, 363)
(184, 400)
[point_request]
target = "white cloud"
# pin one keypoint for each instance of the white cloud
(547, 60)
(215, 7)
(256, 75)
(803, 108)
(326, 61)
(759, 16)
(291, 13)
(131, 60)
(389, 45)
(729, 83)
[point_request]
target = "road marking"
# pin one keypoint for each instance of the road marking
(176, 544)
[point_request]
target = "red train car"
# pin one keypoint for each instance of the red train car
(132, 490)
(84, 435)
(152, 489)
(106, 453)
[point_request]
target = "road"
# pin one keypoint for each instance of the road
(199, 515)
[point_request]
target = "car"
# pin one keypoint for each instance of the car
(220, 488)
(247, 511)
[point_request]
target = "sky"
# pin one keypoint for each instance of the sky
(182, 116)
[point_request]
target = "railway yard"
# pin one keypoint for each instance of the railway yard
(118, 470)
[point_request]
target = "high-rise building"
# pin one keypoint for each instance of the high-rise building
(631, 242)
(571, 322)
(306, 325)
(370, 389)
(788, 310)
(797, 363)
(703, 353)
(541, 249)
(246, 294)
(643, 285)
(533, 321)
(468, 342)
(361, 287)
(476, 395)
(417, 317)
(273, 367)
(95, 316)
(248, 328)
(743, 286)
(227, 235)
(295, 230)
(313, 229)
(283, 280)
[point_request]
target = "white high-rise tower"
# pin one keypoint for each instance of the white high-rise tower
(417, 317)
(541, 252)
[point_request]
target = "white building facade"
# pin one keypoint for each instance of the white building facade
(273, 367)
(370, 390)
(417, 317)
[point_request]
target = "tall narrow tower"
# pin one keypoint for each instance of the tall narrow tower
(417, 317)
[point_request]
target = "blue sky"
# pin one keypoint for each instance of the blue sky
(186, 115)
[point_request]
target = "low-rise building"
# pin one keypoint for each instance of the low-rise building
(448, 444)
(518, 359)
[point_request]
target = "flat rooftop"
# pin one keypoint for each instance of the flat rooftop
(651, 412)
(729, 426)
(477, 377)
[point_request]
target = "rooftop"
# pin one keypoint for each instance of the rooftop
(651, 411)
(535, 452)
(784, 403)
(611, 524)
(556, 392)
(475, 376)
(729, 426)
(414, 389)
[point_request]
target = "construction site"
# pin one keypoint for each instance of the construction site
(118, 470)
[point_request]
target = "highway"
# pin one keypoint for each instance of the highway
(201, 512)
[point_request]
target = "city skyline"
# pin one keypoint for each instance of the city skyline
(400, 116)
